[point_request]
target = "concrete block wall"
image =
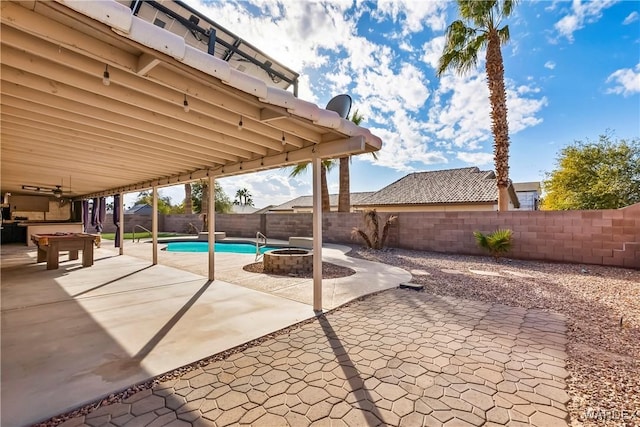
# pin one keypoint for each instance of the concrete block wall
(182, 223)
(337, 227)
(282, 226)
(605, 237)
(237, 225)
(130, 221)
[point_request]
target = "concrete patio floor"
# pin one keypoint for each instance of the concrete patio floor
(370, 276)
(399, 357)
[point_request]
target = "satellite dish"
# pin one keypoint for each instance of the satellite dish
(341, 104)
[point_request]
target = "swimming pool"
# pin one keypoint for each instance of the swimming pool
(228, 247)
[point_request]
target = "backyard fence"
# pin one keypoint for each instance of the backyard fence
(605, 237)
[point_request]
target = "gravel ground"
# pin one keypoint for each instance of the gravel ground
(602, 306)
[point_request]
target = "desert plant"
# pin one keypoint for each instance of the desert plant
(497, 243)
(372, 227)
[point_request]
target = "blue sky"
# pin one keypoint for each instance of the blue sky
(572, 71)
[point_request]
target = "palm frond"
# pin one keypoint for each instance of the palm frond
(356, 232)
(481, 240)
(500, 241)
(329, 164)
(357, 117)
(503, 33)
(461, 48)
(385, 230)
(298, 169)
(497, 243)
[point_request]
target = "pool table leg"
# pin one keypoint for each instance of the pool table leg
(42, 255)
(53, 253)
(73, 255)
(87, 253)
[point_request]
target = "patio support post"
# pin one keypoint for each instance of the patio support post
(120, 208)
(154, 225)
(317, 235)
(211, 222)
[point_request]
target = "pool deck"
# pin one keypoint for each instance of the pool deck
(370, 276)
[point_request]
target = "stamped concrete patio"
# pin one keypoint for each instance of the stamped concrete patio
(396, 358)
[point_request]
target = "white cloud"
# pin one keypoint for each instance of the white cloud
(412, 14)
(626, 81)
(296, 33)
(475, 158)
(633, 17)
(268, 188)
(461, 115)
(581, 13)
(418, 120)
(433, 51)
(404, 148)
(550, 65)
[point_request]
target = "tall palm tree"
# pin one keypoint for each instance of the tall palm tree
(480, 28)
(243, 197)
(325, 166)
(344, 197)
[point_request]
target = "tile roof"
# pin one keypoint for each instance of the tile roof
(307, 201)
(465, 185)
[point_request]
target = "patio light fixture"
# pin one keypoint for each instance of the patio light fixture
(105, 76)
(185, 104)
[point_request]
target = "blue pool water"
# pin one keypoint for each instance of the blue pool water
(236, 248)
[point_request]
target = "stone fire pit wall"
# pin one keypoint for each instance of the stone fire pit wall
(288, 261)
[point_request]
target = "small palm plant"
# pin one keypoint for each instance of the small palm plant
(372, 226)
(497, 243)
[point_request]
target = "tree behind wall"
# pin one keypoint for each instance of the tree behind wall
(164, 202)
(199, 192)
(595, 175)
(188, 203)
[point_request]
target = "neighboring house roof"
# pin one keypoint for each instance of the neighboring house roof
(141, 209)
(243, 209)
(307, 201)
(465, 185)
(527, 186)
(265, 209)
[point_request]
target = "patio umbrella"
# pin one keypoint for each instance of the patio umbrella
(85, 216)
(116, 218)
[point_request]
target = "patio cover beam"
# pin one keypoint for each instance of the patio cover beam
(333, 149)
(59, 121)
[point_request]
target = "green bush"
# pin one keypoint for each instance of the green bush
(497, 243)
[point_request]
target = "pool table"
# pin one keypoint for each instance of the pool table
(50, 245)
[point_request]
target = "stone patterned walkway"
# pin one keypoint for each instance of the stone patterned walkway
(396, 358)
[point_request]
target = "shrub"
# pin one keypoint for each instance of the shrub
(497, 243)
(372, 226)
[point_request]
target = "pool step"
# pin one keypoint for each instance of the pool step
(218, 235)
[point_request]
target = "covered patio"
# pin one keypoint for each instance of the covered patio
(102, 102)
(105, 103)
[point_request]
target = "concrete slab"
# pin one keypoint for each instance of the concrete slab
(370, 276)
(75, 334)
(485, 273)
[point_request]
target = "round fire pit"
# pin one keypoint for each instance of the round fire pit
(288, 261)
